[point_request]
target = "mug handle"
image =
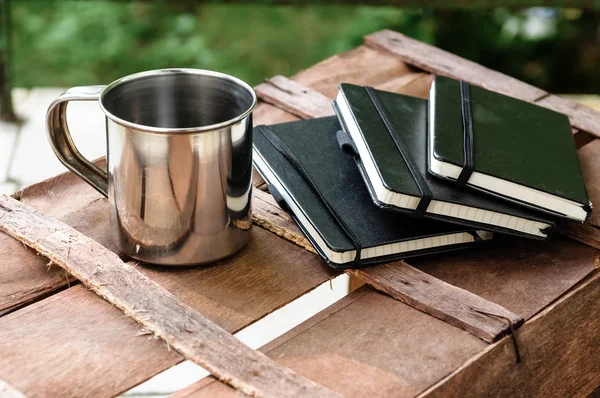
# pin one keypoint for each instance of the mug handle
(62, 144)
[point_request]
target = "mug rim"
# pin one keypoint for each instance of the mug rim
(183, 71)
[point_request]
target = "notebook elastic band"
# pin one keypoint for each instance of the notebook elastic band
(468, 144)
(285, 151)
(346, 144)
(426, 195)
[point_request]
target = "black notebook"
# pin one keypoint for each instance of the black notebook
(389, 132)
(505, 147)
(336, 212)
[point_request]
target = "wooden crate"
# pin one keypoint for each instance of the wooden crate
(387, 338)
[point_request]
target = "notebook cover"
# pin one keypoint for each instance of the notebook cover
(314, 144)
(513, 140)
(409, 116)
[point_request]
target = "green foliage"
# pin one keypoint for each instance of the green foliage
(66, 43)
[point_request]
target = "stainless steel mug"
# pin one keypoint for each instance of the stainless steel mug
(179, 155)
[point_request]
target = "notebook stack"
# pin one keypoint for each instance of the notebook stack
(394, 176)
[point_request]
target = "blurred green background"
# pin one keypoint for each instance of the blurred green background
(66, 43)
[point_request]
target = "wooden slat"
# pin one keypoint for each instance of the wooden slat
(437, 61)
(589, 232)
(362, 66)
(74, 344)
(25, 277)
(560, 346)
(292, 97)
(582, 138)
(366, 345)
(233, 293)
(154, 307)
(520, 275)
(458, 307)
(267, 214)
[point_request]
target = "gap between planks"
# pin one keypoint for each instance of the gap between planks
(154, 307)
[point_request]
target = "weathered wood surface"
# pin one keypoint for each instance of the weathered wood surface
(280, 87)
(267, 214)
(154, 307)
(362, 66)
(26, 277)
(560, 348)
(589, 232)
(458, 307)
(438, 61)
(522, 279)
(233, 293)
(366, 345)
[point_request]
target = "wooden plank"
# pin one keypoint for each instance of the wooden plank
(267, 214)
(560, 346)
(582, 138)
(305, 102)
(523, 276)
(366, 345)
(154, 307)
(24, 276)
(589, 232)
(438, 61)
(362, 66)
(268, 274)
(74, 344)
(458, 307)
(291, 96)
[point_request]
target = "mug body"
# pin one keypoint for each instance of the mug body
(179, 165)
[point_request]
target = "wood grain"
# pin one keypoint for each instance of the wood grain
(267, 214)
(458, 307)
(521, 275)
(362, 66)
(366, 345)
(154, 307)
(290, 96)
(560, 346)
(588, 232)
(438, 61)
(24, 276)
(233, 293)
